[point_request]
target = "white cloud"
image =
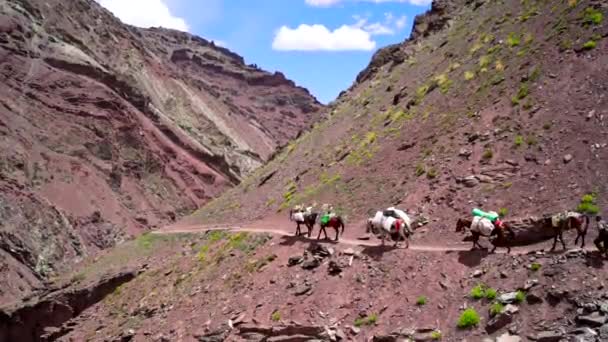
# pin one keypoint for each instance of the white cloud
(145, 13)
(320, 38)
(322, 3)
(327, 3)
(400, 22)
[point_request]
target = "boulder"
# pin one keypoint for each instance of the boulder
(334, 268)
(594, 320)
(549, 336)
(310, 264)
(502, 319)
(470, 181)
(302, 289)
(508, 298)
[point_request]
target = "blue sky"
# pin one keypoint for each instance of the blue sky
(320, 44)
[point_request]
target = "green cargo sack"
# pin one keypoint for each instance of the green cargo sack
(490, 216)
(325, 219)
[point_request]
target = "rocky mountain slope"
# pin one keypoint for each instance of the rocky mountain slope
(107, 129)
(491, 104)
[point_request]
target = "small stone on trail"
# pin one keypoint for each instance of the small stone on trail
(503, 275)
(334, 268)
(349, 251)
(294, 260)
(568, 158)
(354, 330)
(302, 289)
(477, 273)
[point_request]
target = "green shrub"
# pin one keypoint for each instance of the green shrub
(513, 39)
(276, 316)
(469, 75)
(535, 266)
(469, 318)
(591, 16)
(588, 205)
(431, 173)
(369, 320)
(478, 291)
(590, 45)
(502, 212)
(420, 170)
(421, 300)
(490, 294)
(436, 335)
(520, 297)
(496, 308)
(519, 140)
(487, 154)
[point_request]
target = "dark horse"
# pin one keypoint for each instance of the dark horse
(307, 218)
(567, 221)
(500, 238)
(336, 223)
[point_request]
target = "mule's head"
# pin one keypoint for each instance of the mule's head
(460, 225)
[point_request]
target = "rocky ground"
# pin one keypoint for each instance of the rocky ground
(108, 130)
(219, 286)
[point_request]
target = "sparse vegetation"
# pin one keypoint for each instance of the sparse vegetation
(478, 291)
(431, 173)
(588, 205)
(490, 293)
(420, 170)
(468, 319)
(522, 93)
(535, 266)
(519, 140)
(591, 16)
(276, 316)
(520, 297)
(469, 75)
(436, 335)
(369, 320)
(496, 308)
(487, 154)
(502, 212)
(421, 301)
(443, 82)
(589, 45)
(513, 39)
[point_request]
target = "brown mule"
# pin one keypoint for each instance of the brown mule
(566, 222)
(503, 236)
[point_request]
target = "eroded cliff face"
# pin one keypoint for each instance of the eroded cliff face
(107, 129)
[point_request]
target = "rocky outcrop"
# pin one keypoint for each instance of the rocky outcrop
(30, 321)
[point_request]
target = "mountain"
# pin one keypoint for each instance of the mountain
(107, 130)
(493, 104)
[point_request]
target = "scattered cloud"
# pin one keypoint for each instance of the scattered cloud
(328, 3)
(317, 37)
(145, 13)
(320, 38)
(400, 22)
(322, 3)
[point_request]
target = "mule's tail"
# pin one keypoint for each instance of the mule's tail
(290, 215)
(342, 226)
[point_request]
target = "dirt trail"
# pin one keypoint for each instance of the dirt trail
(281, 230)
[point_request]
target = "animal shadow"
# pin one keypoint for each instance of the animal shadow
(376, 252)
(473, 257)
(290, 240)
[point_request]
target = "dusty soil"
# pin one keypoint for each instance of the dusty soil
(245, 277)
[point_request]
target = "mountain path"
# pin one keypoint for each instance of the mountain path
(369, 241)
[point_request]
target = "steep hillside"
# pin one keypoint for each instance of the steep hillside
(107, 129)
(496, 104)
